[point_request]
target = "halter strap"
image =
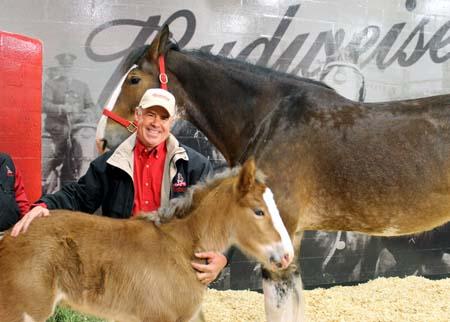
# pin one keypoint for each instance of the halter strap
(163, 78)
(131, 126)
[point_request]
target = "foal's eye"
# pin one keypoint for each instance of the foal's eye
(135, 80)
(258, 212)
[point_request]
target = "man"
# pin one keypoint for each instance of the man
(142, 174)
(66, 102)
(14, 203)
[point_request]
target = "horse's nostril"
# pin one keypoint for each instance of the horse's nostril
(105, 144)
(101, 145)
(276, 261)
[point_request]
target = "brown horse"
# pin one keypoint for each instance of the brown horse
(334, 164)
(139, 270)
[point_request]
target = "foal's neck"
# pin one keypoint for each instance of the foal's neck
(208, 227)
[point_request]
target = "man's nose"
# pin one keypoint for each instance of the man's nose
(156, 120)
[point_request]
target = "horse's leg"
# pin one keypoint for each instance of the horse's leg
(283, 297)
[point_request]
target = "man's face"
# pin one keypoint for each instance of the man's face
(154, 125)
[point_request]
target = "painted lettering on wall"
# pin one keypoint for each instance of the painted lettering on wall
(364, 47)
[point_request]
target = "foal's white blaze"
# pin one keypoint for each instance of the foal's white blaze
(101, 125)
(278, 223)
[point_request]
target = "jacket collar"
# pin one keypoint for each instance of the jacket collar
(123, 156)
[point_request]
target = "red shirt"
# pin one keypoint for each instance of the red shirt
(148, 175)
(21, 197)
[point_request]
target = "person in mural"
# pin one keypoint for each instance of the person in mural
(13, 199)
(66, 102)
(141, 175)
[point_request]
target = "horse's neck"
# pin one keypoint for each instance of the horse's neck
(218, 104)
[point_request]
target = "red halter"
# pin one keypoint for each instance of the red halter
(131, 126)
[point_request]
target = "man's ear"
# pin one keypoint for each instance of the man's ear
(137, 113)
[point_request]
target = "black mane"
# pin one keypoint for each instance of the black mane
(240, 65)
(136, 55)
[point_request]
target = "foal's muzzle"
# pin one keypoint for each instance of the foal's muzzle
(280, 258)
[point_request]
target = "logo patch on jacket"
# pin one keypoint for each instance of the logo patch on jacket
(180, 185)
(9, 173)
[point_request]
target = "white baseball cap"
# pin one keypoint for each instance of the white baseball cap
(158, 97)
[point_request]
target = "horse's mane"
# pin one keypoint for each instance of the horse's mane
(136, 55)
(258, 70)
(181, 207)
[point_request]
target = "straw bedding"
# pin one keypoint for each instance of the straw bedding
(411, 299)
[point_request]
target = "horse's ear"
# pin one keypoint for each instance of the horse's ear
(159, 44)
(247, 177)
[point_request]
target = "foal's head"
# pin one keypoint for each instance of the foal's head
(259, 230)
(234, 207)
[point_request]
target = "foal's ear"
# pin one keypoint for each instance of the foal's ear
(159, 44)
(247, 177)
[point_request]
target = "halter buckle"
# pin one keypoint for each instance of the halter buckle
(131, 127)
(163, 78)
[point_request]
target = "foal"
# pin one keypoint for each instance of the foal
(139, 270)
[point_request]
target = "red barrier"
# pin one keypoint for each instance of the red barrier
(20, 106)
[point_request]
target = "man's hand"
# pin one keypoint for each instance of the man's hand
(207, 273)
(22, 224)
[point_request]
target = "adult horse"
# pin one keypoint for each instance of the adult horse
(334, 164)
(138, 271)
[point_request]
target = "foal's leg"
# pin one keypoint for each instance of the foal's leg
(25, 299)
(283, 298)
(16, 314)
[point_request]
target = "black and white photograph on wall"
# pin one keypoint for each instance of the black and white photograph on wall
(70, 119)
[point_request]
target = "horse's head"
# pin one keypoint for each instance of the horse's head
(259, 230)
(144, 74)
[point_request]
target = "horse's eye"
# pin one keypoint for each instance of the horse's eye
(258, 212)
(135, 80)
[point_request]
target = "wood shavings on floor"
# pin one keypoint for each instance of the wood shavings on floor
(410, 299)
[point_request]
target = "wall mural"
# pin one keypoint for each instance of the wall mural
(367, 51)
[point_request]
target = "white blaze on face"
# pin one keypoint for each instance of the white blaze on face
(101, 125)
(278, 223)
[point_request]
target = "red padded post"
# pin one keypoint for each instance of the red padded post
(20, 106)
